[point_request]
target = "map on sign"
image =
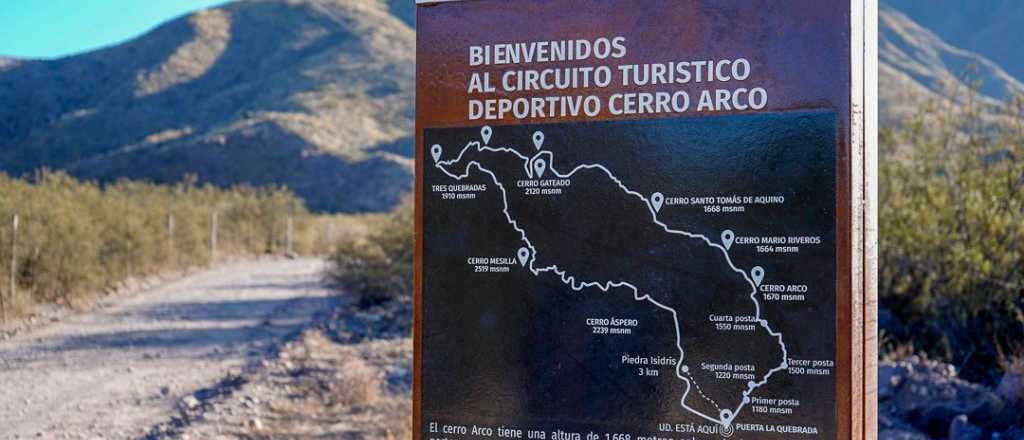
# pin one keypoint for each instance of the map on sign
(659, 272)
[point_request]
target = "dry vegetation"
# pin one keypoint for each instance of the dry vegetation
(952, 236)
(379, 265)
(78, 237)
(313, 94)
(319, 388)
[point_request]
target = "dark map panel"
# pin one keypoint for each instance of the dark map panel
(652, 278)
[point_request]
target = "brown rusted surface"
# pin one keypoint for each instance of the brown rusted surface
(800, 52)
(788, 49)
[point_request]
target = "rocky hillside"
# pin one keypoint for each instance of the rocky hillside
(916, 65)
(921, 399)
(313, 94)
(318, 94)
(990, 28)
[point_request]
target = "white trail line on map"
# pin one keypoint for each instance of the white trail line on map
(725, 416)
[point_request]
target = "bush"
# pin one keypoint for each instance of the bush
(378, 267)
(77, 237)
(952, 234)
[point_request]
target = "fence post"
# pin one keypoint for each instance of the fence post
(213, 236)
(288, 235)
(170, 235)
(14, 267)
(328, 237)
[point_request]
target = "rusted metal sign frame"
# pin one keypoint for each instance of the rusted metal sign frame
(862, 332)
(857, 200)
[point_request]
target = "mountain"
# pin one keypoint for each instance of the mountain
(916, 65)
(8, 62)
(317, 95)
(313, 94)
(990, 28)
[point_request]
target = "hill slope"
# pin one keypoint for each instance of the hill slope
(915, 66)
(318, 95)
(990, 28)
(313, 94)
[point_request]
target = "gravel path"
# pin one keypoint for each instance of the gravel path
(116, 372)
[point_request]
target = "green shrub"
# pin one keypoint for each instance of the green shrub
(952, 234)
(378, 267)
(78, 237)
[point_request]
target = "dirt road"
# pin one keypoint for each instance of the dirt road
(116, 372)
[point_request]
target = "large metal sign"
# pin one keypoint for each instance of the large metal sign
(644, 219)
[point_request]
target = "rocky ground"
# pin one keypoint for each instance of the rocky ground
(348, 377)
(273, 356)
(919, 399)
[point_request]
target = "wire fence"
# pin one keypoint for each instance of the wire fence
(62, 239)
(32, 270)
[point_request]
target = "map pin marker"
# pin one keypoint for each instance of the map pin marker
(726, 416)
(656, 200)
(757, 273)
(539, 166)
(436, 152)
(538, 139)
(727, 238)
(485, 133)
(523, 254)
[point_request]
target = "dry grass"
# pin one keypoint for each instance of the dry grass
(319, 388)
(350, 381)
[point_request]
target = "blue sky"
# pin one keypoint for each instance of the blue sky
(54, 28)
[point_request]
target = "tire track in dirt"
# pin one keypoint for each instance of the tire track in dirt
(116, 372)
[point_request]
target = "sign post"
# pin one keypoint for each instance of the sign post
(645, 219)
